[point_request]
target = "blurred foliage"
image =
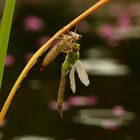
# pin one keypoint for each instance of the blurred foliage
(5, 29)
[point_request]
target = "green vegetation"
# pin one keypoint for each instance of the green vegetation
(5, 29)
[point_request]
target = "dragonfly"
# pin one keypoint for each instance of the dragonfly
(71, 65)
(68, 45)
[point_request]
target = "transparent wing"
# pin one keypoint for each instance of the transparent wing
(72, 79)
(82, 74)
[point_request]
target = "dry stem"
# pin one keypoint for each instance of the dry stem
(42, 50)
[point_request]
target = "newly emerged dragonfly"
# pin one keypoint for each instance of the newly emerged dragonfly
(67, 44)
(70, 65)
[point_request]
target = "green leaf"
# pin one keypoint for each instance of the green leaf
(5, 29)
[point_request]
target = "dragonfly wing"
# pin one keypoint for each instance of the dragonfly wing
(72, 79)
(82, 74)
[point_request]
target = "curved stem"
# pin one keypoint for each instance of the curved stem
(42, 50)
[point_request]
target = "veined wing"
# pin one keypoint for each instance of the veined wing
(82, 74)
(72, 79)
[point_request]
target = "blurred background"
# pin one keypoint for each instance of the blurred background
(108, 109)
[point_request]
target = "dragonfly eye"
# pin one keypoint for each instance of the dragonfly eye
(76, 47)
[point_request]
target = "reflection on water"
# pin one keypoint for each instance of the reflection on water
(75, 101)
(108, 67)
(103, 117)
(98, 62)
(32, 138)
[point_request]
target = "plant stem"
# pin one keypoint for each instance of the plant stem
(5, 29)
(42, 50)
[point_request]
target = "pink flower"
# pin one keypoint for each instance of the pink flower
(109, 124)
(82, 101)
(33, 23)
(9, 60)
(118, 111)
(124, 21)
(105, 31)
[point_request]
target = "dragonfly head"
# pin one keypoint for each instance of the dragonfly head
(75, 36)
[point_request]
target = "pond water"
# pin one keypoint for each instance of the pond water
(107, 109)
